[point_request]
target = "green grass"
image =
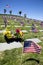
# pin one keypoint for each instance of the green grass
(16, 56)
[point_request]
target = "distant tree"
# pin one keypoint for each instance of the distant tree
(20, 12)
(5, 11)
(10, 11)
(24, 15)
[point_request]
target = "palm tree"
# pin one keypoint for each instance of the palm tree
(10, 11)
(20, 13)
(5, 11)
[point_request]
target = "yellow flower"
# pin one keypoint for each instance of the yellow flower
(8, 34)
(21, 33)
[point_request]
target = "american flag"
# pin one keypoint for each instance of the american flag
(30, 46)
(7, 6)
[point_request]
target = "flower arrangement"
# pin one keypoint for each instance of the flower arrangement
(19, 35)
(8, 34)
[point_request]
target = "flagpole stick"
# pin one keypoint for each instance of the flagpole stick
(21, 55)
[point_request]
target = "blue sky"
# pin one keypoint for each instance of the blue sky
(33, 8)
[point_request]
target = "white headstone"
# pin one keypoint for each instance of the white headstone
(5, 46)
(35, 40)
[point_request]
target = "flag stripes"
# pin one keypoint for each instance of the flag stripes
(30, 46)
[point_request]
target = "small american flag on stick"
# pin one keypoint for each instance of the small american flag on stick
(7, 6)
(30, 46)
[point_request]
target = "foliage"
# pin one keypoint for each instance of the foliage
(4, 11)
(18, 33)
(25, 15)
(20, 12)
(10, 11)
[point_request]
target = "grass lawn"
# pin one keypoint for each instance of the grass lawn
(16, 56)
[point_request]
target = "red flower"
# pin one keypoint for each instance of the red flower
(17, 30)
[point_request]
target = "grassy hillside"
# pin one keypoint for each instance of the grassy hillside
(15, 56)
